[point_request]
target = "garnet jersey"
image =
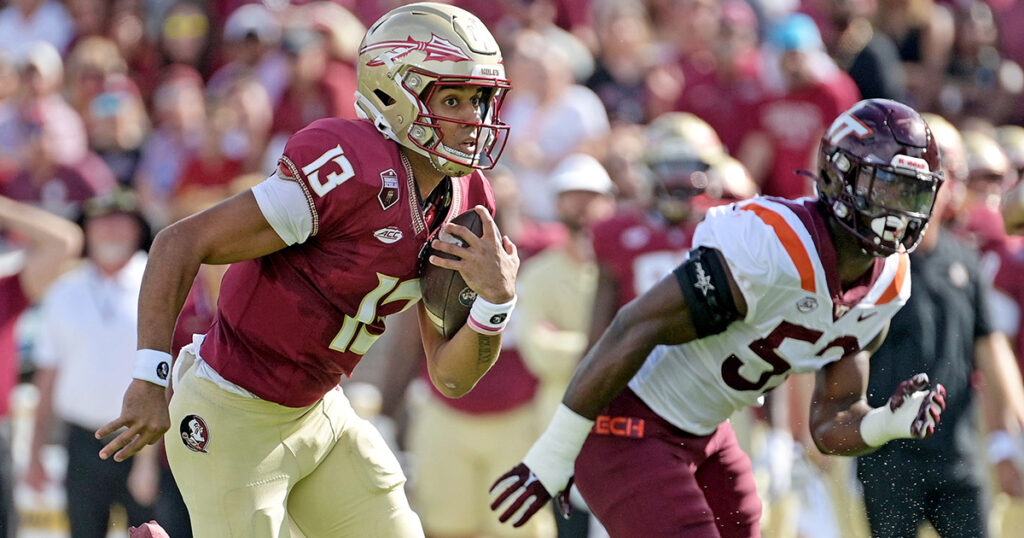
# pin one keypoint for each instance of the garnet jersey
(1007, 303)
(638, 249)
(798, 319)
(291, 323)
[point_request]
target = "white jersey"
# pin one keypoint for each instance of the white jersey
(798, 319)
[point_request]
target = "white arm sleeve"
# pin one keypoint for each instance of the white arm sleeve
(285, 207)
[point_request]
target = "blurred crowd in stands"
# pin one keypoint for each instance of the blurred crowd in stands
(657, 109)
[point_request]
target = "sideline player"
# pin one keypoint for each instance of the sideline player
(772, 287)
(261, 437)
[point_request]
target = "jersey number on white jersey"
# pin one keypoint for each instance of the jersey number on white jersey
(766, 347)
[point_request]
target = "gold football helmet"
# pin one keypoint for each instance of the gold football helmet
(681, 149)
(412, 52)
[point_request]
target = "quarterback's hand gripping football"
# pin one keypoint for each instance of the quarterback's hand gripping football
(143, 415)
(913, 411)
(488, 263)
(545, 472)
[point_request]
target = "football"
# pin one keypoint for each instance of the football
(446, 296)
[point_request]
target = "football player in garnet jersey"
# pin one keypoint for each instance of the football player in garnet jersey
(772, 287)
(685, 162)
(259, 433)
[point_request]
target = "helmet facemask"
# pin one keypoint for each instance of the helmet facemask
(426, 133)
(886, 206)
(678, 183)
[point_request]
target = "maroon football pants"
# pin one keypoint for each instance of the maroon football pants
(643, 477)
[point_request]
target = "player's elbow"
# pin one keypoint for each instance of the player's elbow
(821, 442)
(450, 387)
(175, 242)
(819, 423)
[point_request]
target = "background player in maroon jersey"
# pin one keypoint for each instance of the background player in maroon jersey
(322, 252)
(685, 161)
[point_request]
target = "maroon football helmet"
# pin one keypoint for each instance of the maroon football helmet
(879, 173)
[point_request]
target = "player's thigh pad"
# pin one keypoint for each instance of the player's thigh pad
(358, 488)
(235, 458)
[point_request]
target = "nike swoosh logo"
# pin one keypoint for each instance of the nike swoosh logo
(863, 316)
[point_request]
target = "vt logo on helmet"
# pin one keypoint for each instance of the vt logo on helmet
(879, 174)
(413, 52)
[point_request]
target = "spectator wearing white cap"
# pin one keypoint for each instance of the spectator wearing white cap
(557, 289)
(561, 281)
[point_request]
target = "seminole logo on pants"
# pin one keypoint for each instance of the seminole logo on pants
(194, 433)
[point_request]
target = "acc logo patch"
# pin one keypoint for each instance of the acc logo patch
(388, 235)
(389, 193)
(194, 433)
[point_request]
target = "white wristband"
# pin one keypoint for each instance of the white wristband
(553, 457)
(488, 318)
(881, 425)
(1002, 446)
(153, 366)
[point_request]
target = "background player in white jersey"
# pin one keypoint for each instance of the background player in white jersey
(261, 436)
(772, 287)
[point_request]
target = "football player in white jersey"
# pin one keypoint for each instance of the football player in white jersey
(771, 287)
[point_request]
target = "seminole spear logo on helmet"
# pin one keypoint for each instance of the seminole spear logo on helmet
(438, 49)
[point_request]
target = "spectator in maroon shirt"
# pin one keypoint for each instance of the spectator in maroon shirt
(787, 127)
(715, 74)
(319, 88)
(49, 243)
(212, 165)
(44, 180)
